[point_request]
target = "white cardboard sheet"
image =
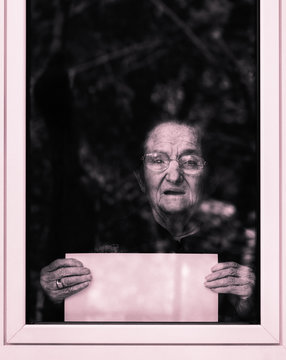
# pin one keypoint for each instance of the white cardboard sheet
(145, 288)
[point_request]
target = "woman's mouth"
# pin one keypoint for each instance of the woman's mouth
(173, 192)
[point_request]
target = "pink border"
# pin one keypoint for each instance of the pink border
(21, 334)
(282, 64)
(280, 164)
(4, 152)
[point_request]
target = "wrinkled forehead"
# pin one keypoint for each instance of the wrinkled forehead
(177, 135)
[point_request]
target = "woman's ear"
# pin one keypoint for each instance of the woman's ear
(140, 180)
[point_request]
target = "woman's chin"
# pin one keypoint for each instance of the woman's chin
(175, 206)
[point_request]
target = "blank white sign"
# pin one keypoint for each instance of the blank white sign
(145, 288)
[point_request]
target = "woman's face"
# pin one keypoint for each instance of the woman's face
(173, 191)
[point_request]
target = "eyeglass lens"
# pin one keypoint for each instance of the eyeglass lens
(160, 161)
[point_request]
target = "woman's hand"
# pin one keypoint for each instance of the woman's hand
(231, 278)
(64, 277)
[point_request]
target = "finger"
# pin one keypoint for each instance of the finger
(66, 271)
(66, 282)
(69, 271)
(59, 295)
(244, 291)
(225, 265)
(74, 280)
(241, 271)
(62, 263)
(228, 281)
(222, 273)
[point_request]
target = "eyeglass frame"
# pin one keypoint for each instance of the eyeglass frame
(177, 159)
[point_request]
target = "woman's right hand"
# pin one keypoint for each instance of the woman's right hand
(63, 278)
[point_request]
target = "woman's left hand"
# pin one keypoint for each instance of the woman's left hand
(231, 278)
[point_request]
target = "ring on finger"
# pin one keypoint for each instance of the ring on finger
(59, 284)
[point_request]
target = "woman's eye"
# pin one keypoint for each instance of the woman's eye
(192, 163)
(158, 161)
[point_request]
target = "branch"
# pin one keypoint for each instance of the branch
(57, 29)
(147, 61)
(56, 43)
(241, 74)
(103, 59)
(185, 29)
(79, 8)
(238, 69)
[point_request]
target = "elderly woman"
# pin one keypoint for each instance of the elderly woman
(172, 176)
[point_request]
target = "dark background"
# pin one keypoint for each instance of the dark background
(99, 73)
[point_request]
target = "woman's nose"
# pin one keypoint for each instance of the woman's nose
(174, 174)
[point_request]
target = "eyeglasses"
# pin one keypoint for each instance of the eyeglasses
(159, 161)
